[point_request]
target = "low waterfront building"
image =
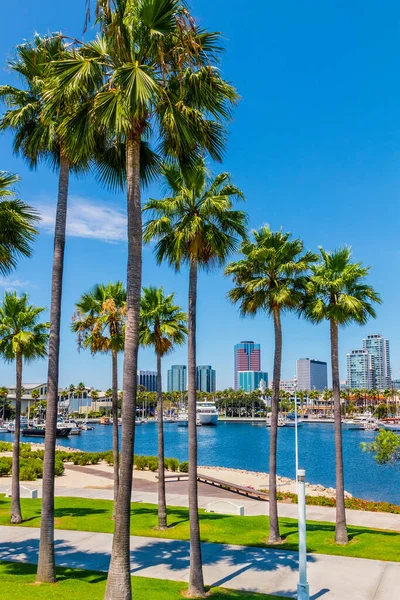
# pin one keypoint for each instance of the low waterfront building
(286, 385)
(205, 378)
(250, 380)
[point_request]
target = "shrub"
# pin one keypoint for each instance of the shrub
(6, 446)
(109, 457)
(140, 462)
(93, 458)
(5, 466)
(59, 467)
(152, 463)
(27, 473)
(184, 467)
(173, 464)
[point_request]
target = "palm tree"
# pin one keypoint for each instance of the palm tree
(197, 225)
(271, 278)
(17, 224)
(150, 69)
(80, 388)
(337, 293)
(99, 323)
(35, 395)
(3, 397)
(162, 326)
(22, 338)
(94, 394)
(37, 118)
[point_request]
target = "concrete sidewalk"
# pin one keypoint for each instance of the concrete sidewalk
(140, 493)
(253, 569)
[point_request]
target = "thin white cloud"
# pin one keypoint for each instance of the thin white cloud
(87, 219)
(9, 283)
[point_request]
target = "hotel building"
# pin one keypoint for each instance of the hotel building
(247, 357)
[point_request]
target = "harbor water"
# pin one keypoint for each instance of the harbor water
(246, 446)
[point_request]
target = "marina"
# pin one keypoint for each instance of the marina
(245, 445)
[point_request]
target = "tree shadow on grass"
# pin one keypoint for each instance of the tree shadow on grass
(63, 573)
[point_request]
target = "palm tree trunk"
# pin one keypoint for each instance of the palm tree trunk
(196, 581)
(162, 504)
(115, 425)
(46, 564)
(119, 577)
(274, 535)
(341, 530)
(16, 515)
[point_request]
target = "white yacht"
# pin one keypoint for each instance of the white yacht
(361, 422)
(207, 413)
(183, 418)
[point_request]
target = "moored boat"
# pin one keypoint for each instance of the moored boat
(207, 413)
(37, 431)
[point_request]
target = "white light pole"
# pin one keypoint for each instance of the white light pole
(296, 440)
(303, 589)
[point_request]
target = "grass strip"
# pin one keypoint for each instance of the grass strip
(17, 581)
(84, 514)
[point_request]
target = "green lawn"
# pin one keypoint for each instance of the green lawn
(17, 582)
(95, 515)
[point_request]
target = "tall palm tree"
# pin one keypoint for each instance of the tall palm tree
(99, 323)
(195, 225)
(162, 327)
(151, 69)
(337, 293)
(80, 389)
(36, 119)
(22, 338)
(17, 224)
(35, 395)
(271, 278)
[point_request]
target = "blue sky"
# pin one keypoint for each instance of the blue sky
(314, 145)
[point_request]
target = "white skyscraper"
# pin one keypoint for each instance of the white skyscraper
(378, 347)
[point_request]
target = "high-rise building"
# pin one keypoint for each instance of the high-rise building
(250, 380)
(311, 374)
(247, 357)
(148, 379)
(360, 370)
(177, 378)
(205, 378)
(376, 345)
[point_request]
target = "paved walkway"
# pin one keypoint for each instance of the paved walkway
(270, 571)
(177, 495)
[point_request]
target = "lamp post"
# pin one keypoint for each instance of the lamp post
(303, 589)
(296, 439)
